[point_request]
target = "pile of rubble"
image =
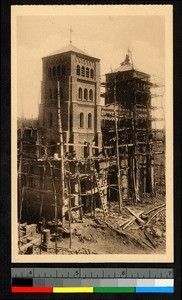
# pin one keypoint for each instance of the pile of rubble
(146, 227)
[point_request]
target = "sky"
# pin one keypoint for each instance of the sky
(106, 37)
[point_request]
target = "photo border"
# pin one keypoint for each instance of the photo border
(165, 10)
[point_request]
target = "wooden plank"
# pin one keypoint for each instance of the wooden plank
(82, 145)
(125, 222)
(94, 191)
(163, 208)
(151, 210)
(135, 215)
(149, 237)
(131, 218)
(130, 222)
(36, 241)
(77, 207)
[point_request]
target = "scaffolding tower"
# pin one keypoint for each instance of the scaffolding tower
(129, 125)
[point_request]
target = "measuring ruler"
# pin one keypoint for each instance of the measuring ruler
(92, 280)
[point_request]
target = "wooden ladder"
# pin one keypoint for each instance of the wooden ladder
(101, 194)
(79, 207)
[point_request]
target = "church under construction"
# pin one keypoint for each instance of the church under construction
(84, 158)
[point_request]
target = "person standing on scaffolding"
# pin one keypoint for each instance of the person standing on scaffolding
(86, 149)
(93, 149)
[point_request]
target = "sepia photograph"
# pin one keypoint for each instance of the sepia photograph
(92, 133)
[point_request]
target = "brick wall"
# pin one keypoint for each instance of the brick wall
(71, 104)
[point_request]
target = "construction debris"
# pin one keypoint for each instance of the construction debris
(92, 231)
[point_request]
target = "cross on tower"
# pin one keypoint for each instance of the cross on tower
(130, 55)
(71, 35)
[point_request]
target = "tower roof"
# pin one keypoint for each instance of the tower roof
(69, 48)
(127, 65)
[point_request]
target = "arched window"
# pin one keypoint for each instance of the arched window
(87, 72)
(89, 120)
(55, 93)
(91, 95)
(50, 93)
(63, 70)
(85, 94)
(81, 120)
(54, 71)
(83, 71)
(80, 93)
(58, 70)
(50, 120)
(78, 70)
(92, 73)
(49, 72)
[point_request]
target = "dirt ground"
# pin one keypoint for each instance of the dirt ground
(95, 235)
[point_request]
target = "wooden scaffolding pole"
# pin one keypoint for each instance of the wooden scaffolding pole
(60, 132)
(20, 190)
(135, 153)
(148, 150)
(55, 206)
(91, 180)
(20, 170)
(69, 211)
(117, 151)
(42, 188)
(79, 191)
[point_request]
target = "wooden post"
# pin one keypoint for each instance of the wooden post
(152, 177)
(161, 179)
(69, 210)
(20, 192)
(42, 194)
(91, 179)
(134, 171)
(55, 205)
(60, 131)
(69, 116)
(79, 191)
(20, 170)
(117, 150)
(148, 150)
(135, 150)
(126, 151)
